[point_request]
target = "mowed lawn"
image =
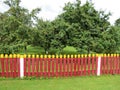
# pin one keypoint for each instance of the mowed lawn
(40, 50)
(72, 83)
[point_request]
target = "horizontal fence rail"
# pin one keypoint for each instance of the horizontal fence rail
(58, 65)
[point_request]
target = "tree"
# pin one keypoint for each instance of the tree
(43, 35)
(61, 34)
(86, 25)
(117, 22)
(16, 25)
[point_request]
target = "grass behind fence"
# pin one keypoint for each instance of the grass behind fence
(40, 50)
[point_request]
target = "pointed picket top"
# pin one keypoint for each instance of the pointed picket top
(85, 55)
(45, 56)
(14, 55)
(75, 56)
(37, 56)
(53, 56)
(68, 56)
(24, 55)
(71, 56)
(2, 56)
(64, 56)
(49, 56)
(104, 55)
(18, 55)
(78, 55)
(21, 56)
(29, 55)
(117, 55)
(82, 55)
(41, 56)
(114, 55)
(57, 56)
(33, 56)
(10, 55)
(97, 55)
(93, 55)
(60, 56)
(6, 55)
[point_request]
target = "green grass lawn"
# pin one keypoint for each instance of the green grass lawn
(40, 50)
(74, 83)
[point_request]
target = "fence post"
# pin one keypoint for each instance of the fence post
(21, 66)
(98, 65)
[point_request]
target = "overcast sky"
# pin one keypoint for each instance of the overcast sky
(51, 8)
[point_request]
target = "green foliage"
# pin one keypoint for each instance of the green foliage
(88, 29)
(15, 27)
(43, 34)
(117, 22)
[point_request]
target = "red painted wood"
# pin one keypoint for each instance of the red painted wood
(29, 69)
(2, 64)
(110, 63)
(102, 66)
(96, 65)
(56, 67)
(93, 57)
(25, 65)
(71, 66)
(53, 67)
(33, 66)
(82, 65)
(15, 67)
(74, 63)
(105, 66)
(49, 67)
(116, 64)
(41, 67)
(119, 64)
(88, 65)
(64, 67)
(11, 67)
(45, 67)
(85, 59)
(102, 63)
(79, 71)
(68, 66)
(60, 66)
(37, 67)
(7, 65)
(18, 61)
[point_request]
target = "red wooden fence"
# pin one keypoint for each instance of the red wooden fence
(59, 66)
(9, 66)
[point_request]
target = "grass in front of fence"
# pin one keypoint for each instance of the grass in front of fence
(75, 83)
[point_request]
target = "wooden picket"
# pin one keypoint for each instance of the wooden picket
(9, 66)
(59, 66)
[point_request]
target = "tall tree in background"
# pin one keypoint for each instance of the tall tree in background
(15, 28)
(117, 22)
(43, 35)
(86, 26)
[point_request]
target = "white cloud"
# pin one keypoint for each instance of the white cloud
(109, 6)
(50, 8)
